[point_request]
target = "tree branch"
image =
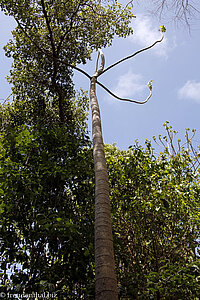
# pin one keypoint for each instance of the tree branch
(100, 71)
(49, 28)
(70, 28)
(124, 99)
(182, 9)
(132, 55)
(7, 98)
(46, 52)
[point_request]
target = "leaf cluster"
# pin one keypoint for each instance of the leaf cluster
(46, 202)
(155, 206)
(51, 37)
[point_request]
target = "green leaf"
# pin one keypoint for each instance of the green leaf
(162, 28)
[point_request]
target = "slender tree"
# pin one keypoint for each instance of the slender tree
(105, 275)
(106, 281)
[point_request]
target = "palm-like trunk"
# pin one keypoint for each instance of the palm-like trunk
(106, 280)
(105, 276)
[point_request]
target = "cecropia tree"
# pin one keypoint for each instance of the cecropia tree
(105, 275)
(106, 281)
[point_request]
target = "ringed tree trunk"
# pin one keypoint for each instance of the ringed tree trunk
(105, 275)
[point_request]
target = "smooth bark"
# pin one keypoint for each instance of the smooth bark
(105, 275)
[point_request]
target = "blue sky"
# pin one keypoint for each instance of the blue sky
(173, 66)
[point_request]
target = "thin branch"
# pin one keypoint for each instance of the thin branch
(171, 140)
(162, 142)
(124, 99)
(130, 2)
(181, 9)
(134, 54)
(7, 98)
(49, 28)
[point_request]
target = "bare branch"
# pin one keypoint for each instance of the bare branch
(124, 99)
(7, 98)
(134, 54)
(182, 10)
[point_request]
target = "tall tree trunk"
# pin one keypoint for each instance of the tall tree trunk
(105, 275)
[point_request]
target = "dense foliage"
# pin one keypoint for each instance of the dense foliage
(156, 217)
(50, 39)
(47, 216)
(46, 166)
(46, 206)
(46, 171)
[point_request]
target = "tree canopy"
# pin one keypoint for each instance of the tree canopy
(51, 38)
(155, 202)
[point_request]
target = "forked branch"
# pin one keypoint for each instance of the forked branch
(101, 71)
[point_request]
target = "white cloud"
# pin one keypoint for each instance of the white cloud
(129, 84)
(190, 90)
(146, 33)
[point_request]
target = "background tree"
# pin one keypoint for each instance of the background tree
(46, 204)
(105, 287)
(181, 10)
(156, 230)
(50, 40)
(155, 209)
